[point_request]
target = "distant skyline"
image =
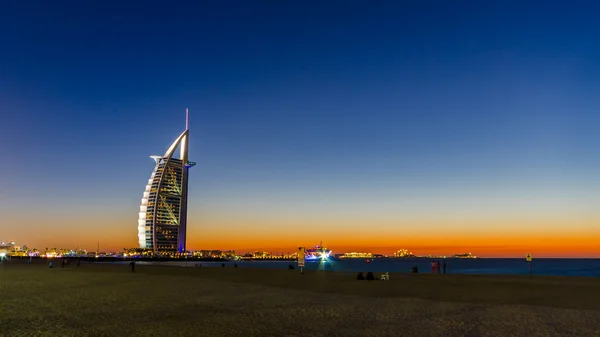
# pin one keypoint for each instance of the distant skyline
(439, 127)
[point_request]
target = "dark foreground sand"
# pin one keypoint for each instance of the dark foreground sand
(108, 300)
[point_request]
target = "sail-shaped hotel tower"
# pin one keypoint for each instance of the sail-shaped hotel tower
(162, 223)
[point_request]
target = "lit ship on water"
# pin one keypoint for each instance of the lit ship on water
(318, 253)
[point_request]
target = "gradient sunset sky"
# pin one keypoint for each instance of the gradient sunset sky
(437, 126)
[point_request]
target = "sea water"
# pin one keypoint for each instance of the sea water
(556, 267)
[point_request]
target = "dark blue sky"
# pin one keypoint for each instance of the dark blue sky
(298, 106)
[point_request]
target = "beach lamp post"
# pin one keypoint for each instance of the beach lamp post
(2, 257)
(301, 255)
(528, 257)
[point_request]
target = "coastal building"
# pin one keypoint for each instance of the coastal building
(355, 255)
(464, 256)
(229, 254)
(260, 255)
(138, 252)
(215, 254)
(403, 253)
(205, 253)
(52, 252)
(6, 248)
(162, 222)
(11, 249)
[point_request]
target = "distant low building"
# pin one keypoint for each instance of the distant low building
(213, 254)
(5, 249)
(229, 254)
(355, 255)
(260, 255)
(464, 256)
(137, 252)
(403, 253)
(205, 253)
(50, 252)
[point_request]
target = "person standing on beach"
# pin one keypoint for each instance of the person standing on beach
(444, 265)
(132, 266)
(433, 265)
(437, 266)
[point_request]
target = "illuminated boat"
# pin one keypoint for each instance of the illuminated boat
(318, 252)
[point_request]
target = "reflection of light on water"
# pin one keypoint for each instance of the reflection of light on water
(326, 263)
(322, 261)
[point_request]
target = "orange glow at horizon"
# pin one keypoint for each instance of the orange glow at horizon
(540, 246)
(556, 237)
(509, 246)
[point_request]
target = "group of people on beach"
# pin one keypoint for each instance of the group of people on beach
(63, 263)
(436, 268)
(370, 276)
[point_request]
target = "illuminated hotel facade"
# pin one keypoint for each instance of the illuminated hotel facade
(162, 222)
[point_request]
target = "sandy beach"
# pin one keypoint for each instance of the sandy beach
(109, 300)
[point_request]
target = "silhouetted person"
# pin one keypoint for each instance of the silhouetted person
(370, 276)
(433, 265)
(437, 266)
(62, 263)
(132, 263)
(78, 262)
(444, 266)
(291, 266)
(222, 265)
(235, 265)
(51, 264)
(360, 276)
(415, 270)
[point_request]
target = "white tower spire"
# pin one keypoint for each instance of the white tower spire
(187, 119)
